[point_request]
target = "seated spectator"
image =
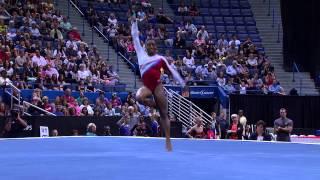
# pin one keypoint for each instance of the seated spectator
(260, 134)
(54, 133)
(275, 88)
(235, 129)
(4, 80)
(109, 110)
(124, 125)
(183, 9)
(55, 33)
(106, 131)
(188, 60)
(221, 80)
(38, 60)
(203, 34)
(46, 105)
(222, 41)
(145, 3)
(235, 40)
(35, 33)
(193, 10)
(162, 18)
(179, 42)
(91, 129)
(199, 42)
(85, 104)
(209, 132)
(197, 131)
(3, 109)
(252, 61)
(74, 34)
(65, 25)
(83, 73)
(112, 20)
(233, 70)
(141, 129)
(191, 28)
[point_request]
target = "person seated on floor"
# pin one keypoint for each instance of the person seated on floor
(197, 131)
(260, 134)
(91, 129)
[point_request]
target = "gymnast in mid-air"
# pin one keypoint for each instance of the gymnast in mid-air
(150, 65)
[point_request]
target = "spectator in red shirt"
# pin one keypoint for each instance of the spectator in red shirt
(68, 98)
(46, 105)
(74, 34)
(235, 129)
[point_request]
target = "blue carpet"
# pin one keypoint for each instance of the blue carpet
(115, 158)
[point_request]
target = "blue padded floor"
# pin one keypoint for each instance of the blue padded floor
(118, 158)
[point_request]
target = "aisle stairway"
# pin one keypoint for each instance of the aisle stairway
(126, 74)
(273, 49)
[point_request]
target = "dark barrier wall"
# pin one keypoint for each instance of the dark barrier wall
(303, 110)
(65, 125)
(301, 37)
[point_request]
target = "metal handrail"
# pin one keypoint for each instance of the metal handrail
(34, 106)
(97, 29)
(75, 6)
(134, 68)
(295, 68)
(7, 13)
(184, 109)
(201, 111)
(14, 87)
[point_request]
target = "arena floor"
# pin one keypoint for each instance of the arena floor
(119, 158)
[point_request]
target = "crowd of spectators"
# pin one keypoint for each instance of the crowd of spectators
(41, 50)
(199, 56)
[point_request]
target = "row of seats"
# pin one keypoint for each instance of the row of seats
(234, 4)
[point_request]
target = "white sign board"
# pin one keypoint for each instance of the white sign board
(44, 131)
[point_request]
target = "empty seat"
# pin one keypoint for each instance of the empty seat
(205, 3)
(250, 21)
(241, 29)
(230, 29)
(236, 12)
(214, 12)
(220, 29)
(228, 20)
(218, 20)
(246, 12)
(204, 12)
(198, 20)
(234, 4)
(225, 4)
(239, 21)
(225, 12)
(208, 20)
(244, 4)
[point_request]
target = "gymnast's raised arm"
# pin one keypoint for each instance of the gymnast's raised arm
(135, 38)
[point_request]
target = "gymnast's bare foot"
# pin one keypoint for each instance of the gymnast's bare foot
(168, 145)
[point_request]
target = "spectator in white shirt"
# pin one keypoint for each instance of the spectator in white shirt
(252, 61)
(188, 60)
(83, 73)
(34, 30)
(232, 70)
(235, 40)
(112, 20)
(82, 52)
(203, 33)
(85, 103)
(38, 60)
(74, 43)
(3, 78)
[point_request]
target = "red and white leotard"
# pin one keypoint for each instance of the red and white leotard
(150, 65)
